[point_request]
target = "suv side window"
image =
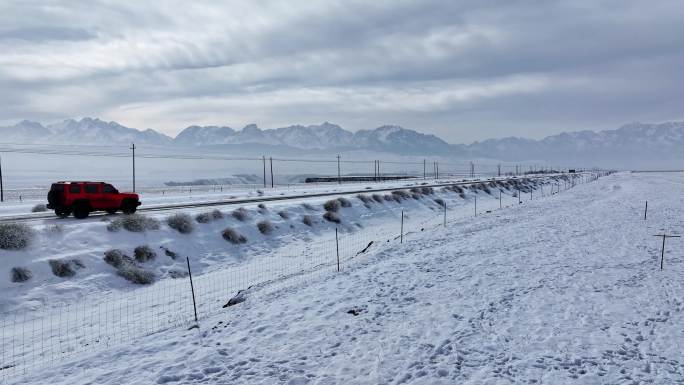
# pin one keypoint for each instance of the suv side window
(74, 188)
(91, 189)
(108, 189)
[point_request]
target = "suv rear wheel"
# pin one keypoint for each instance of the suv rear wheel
(81, 211)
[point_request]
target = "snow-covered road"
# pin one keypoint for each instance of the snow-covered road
(564, 290)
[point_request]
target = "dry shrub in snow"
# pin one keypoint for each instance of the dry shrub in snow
(344, 202)
(178, 273)
(136, 274)
(127, 268)
(15, 236)
(265, 227)
(181, 222)
(364, 198)
(209, 216)
(20, 274)
(233, 236)
(115, 257)
(240, 214)
(54, 229)
(378, 198)
(331, 216)
(134, 223)
(65, 267)
(426, 190)
(484, 188)
(284, 214)
(144, 253)
(332, 205)
(440, 202)
(170, 253)
(307, 220)
(308, 207)
(401, 194)
(39, 208)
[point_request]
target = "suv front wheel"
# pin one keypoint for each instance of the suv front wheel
(129, 207)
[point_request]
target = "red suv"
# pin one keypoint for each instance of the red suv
(81, 198)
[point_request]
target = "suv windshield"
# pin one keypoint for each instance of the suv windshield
(109, 189)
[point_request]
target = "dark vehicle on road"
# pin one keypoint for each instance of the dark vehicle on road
(82, 198)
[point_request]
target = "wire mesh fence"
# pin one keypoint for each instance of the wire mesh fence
(33, 340)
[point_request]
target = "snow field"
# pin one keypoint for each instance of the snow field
(110, 319)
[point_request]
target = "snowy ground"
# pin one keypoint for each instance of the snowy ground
(561, 290)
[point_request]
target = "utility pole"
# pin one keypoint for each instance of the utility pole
(424, 175)
(133, 149)
(264, 161)
(271, 159)
(339, 180)
(437, 169)
(499, 169)
(2, 190)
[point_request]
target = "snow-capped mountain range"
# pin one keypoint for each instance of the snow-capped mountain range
(664, 141)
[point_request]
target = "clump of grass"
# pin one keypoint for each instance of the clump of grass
(39, 208)
(20, 274)
(134, 223)
(332, 216)
(378, 198)
(344, 202)
(144, 253)
(284, 214)
(440, 202)
(364, 198)
(181, 222)
(265, 227)
(233, 236)
(307, 220)
(15, 236)
(240, 214)
(332, 205)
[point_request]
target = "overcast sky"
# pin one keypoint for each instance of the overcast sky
(463, 70)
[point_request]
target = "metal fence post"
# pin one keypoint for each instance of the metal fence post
(337, 248)
(192, 288)
(401, 236)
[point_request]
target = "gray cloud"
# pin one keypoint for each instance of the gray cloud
(463, 70)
